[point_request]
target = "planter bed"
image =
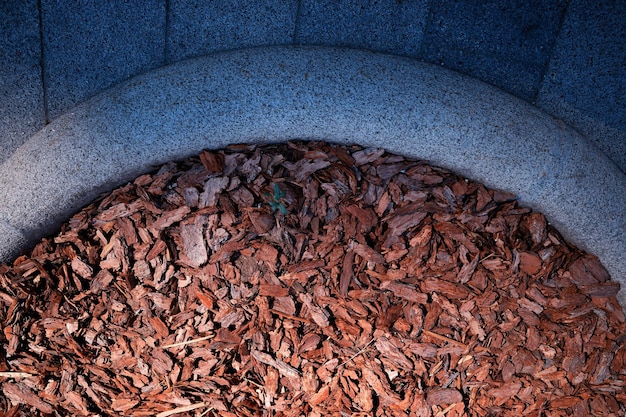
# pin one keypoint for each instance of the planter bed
(309, 279)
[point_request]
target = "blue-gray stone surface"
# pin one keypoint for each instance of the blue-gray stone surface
(387, 25)
(585, 84)
(197, 27)
(21, 95)
(566, 56)
(91, 45)
(503, 43)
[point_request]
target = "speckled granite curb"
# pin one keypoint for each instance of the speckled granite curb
(339, 95)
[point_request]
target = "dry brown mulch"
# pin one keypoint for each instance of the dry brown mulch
(309, 279)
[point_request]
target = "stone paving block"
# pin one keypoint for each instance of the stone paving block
(21, 97)
(92, 45)
(500, 43)
(197, 27)
(585, 83)
(389, 25)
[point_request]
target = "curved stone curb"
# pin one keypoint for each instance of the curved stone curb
(339, 95)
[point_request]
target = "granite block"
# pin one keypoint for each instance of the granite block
(22, 110)
(91, 45)
(197, 27)
(606, 138)
(585, 84)
(583, 180)
(507, 45)
(389, 25)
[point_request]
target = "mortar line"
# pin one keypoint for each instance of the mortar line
(296, 29)
(42, 65)
(427, 25)
(546, 65)
(166, 49)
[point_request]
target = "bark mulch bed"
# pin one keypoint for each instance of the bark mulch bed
(307, 279)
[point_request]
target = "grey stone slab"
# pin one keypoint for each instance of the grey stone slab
(92, 45)
(197, 27)
(388, 25)
(504, 44)
(585, 84)
(608, 139)
(516, 77)
(21, 95)
(582, 167)
(340, 95)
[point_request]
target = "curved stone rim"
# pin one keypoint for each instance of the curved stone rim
(335, 94)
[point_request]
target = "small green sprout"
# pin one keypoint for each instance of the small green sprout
(275, 203)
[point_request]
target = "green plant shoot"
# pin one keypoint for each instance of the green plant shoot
(276, 203)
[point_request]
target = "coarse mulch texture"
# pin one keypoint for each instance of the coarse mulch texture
(308, 279)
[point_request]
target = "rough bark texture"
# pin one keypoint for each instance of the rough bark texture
(309, 279)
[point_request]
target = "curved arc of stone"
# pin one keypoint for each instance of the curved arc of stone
(335, 94)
